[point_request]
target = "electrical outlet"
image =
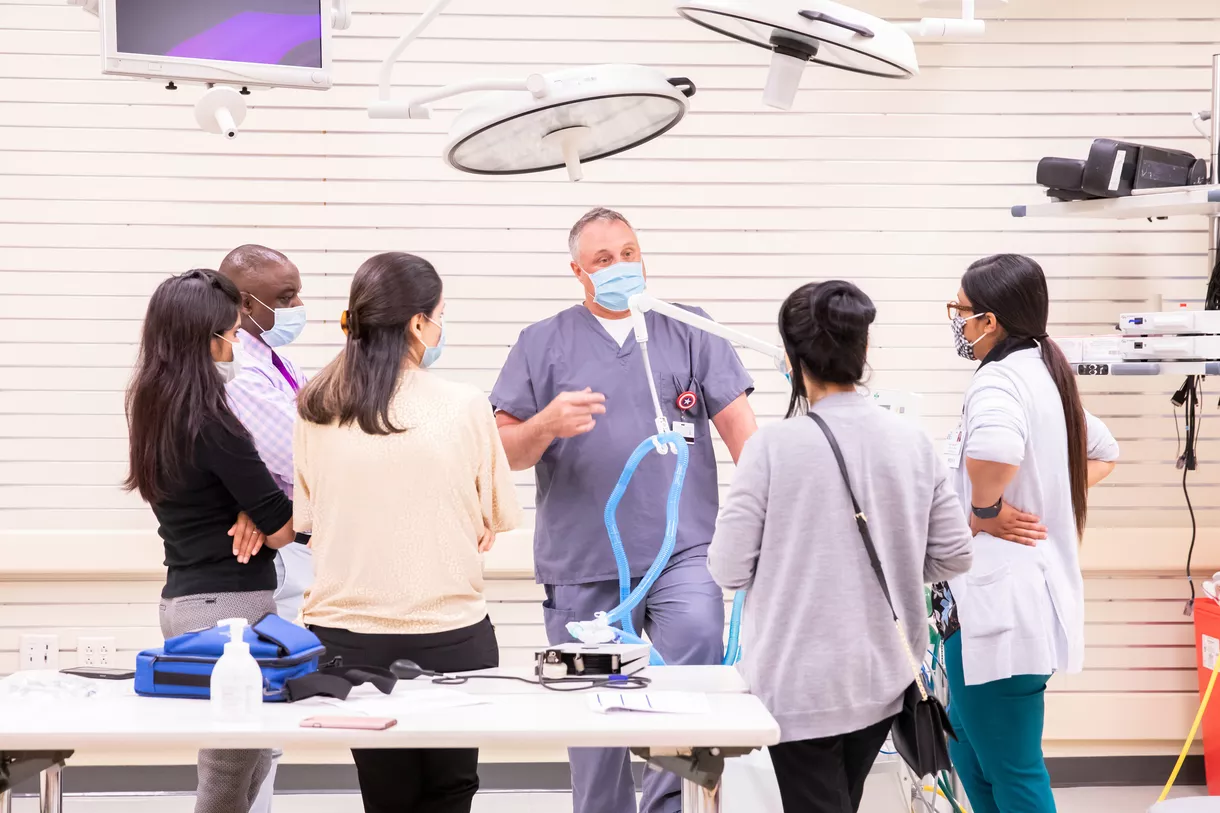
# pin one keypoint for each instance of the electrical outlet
(95, 652)
(39, 652)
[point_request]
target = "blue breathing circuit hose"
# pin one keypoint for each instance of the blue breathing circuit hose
(628, 598)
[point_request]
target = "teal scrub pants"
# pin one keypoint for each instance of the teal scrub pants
(998, 752)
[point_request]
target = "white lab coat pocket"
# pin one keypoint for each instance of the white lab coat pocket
(990, 607)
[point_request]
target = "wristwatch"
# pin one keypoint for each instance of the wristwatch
(990, 512)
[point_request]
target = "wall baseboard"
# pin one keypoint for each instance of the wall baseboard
(1150, 771)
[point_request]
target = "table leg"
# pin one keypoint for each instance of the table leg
(6, 801)
(51, 791)
(698, 799)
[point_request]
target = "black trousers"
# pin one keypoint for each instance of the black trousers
(417, 780)
(827, 775)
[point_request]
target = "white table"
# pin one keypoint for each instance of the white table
(513, 715)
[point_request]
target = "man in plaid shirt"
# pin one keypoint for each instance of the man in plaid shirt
(264, 393)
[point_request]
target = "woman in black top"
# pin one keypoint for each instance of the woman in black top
(220, 512)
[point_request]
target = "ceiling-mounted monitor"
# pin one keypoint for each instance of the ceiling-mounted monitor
(261, 43)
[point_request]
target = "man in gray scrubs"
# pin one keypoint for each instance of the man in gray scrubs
(573, 401)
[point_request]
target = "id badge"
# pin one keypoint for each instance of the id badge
(686, 430)
(953, 447)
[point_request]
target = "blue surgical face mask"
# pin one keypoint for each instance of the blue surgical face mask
(289, 322)
(433, 354)
(614, 286)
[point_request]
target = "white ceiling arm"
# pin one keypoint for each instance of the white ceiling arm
(642, 303)
(88, 5)
(1201, 120)
(340, 16)
(387, 67)
(417, 106)
(939, 27)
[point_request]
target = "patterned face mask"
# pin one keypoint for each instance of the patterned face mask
(964, 347)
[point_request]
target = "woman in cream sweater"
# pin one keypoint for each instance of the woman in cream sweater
(402, 480)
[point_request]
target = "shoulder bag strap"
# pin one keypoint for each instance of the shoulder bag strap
(874, 560)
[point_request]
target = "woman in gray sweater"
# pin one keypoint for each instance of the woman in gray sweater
(821, 648)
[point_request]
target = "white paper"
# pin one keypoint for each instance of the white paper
(649, 702)
(1211, 650)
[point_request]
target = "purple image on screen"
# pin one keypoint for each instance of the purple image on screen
(250, 37)
(267, 32)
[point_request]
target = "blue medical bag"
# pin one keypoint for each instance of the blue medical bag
(287, 654)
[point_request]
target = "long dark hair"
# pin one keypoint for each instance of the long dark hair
(1012, 288)
(824, 326)
(388, 291)
(176, 389)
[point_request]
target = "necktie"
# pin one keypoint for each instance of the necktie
(283, 368)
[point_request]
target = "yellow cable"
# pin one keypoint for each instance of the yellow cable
(1190, 738)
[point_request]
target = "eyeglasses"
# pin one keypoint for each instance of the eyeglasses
(955, 309)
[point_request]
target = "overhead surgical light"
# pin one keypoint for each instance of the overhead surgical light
(798, 32)
(545, 121)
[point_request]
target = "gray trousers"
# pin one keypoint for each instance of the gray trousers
(683, 617)
(228, 780)
(293, 576)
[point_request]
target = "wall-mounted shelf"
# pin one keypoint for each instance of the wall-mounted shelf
(1186, 200)
(1148, 368)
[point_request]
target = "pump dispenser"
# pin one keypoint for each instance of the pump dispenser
(237, 682)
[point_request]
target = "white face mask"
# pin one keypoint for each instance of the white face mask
(229, 370)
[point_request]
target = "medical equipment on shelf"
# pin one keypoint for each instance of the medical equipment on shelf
(1115, 169)
(1170, 348)
(574, 660)
(544, 121)
(1181, 321)
(798, 32)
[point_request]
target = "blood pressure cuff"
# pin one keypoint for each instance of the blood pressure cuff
(288, 656)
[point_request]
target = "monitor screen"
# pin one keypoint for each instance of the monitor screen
(263, 32)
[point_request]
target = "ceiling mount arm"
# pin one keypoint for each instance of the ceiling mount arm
(967, 26)
(417, 106)
(386, 75)
(340, 16)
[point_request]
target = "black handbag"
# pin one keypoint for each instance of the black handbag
(921, 730)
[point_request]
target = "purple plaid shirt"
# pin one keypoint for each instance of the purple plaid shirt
(265, 401)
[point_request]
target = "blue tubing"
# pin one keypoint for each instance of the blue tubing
(732, 652)
(629, 599)
(622, 613)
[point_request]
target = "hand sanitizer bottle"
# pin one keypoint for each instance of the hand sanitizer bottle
(237, 682)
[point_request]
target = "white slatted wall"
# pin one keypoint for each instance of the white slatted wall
(106, 186)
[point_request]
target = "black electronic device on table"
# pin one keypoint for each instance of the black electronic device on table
(100, 672)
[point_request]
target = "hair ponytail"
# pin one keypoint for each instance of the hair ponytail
(1077, 429)
(1012, 287)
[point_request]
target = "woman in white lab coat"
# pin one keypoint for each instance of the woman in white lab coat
(1024, 456)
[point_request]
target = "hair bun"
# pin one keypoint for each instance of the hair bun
(839, 307)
